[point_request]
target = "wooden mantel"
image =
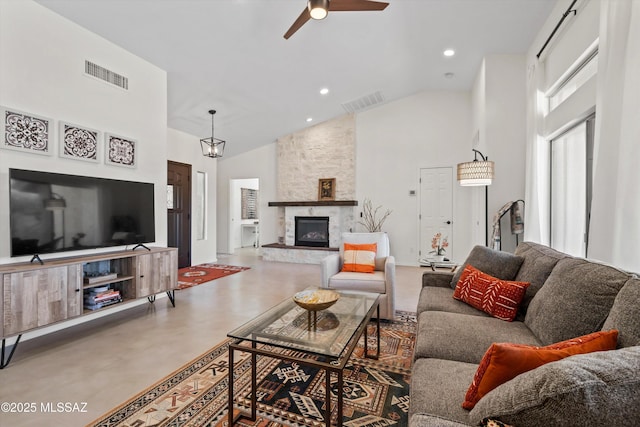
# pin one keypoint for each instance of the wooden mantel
(317, 203)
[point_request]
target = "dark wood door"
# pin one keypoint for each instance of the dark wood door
(179, 210)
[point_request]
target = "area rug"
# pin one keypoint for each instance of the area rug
(376, 392)
(196, 275)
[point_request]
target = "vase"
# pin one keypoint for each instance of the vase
(438, 258)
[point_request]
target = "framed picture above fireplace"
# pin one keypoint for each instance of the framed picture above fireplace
(327, 189)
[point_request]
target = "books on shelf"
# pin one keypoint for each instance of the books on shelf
(98, 305)
(99, 297)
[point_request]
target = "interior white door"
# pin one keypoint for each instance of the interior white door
(436, 208)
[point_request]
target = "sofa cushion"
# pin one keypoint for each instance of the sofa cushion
(440, 299)
(538, 262)
(438, 386)
(502, 265)
(503, 362)
(437, 278)
(575, 300)
(374, 282)
(360, 258)
(625, 314)
(595, 389)
(499, 298)
(426, 420)
(465, 338)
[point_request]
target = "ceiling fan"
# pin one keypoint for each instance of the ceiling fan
(318, 9)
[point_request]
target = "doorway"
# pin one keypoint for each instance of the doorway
(179, 210)
(436, 209)
(244, 215)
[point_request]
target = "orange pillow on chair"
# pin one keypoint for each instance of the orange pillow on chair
(502, 362)
(360, 258)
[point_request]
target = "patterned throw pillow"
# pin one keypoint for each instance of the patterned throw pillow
(360, 258)
(488, 422)
(499, 298)
(502, 362)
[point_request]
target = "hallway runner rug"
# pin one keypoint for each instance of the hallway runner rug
(376, 392)
(196, 275)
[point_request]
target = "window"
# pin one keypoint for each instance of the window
(249, 203)
(200, 206)
(571, 167)
(570, 84)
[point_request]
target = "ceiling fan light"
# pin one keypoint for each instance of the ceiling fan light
(318, 9)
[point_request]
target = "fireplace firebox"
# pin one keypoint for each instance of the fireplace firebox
(312, 231)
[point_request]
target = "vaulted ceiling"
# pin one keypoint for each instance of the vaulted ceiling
(231, 56)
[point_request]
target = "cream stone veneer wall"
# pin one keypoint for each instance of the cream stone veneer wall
(326, 150)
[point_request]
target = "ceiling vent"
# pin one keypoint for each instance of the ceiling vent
(363, 103)
(108, 76)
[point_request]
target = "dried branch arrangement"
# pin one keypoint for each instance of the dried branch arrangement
(370, 219)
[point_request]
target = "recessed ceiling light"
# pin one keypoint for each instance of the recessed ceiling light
(449, 52)
(324, 91)
(309, 119)
(449, 75)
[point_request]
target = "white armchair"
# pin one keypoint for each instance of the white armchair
(382, 280)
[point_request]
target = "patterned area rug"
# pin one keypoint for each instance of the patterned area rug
(196, 275)
(376, 392)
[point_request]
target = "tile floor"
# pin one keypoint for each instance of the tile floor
(106, 361)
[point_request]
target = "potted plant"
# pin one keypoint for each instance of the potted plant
(439, 245)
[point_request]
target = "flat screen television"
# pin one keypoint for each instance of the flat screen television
(52, 212)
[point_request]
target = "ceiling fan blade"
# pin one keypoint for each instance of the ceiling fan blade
(355, 5)
(302, 19)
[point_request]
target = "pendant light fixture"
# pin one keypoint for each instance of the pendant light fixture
(478, 173)
(318, 9)
(212, 147)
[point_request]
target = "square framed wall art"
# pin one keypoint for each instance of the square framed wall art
(120, 151)
(26, 132)
(78, 142)
(326, 189)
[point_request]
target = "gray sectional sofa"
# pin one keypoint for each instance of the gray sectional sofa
(567, 297)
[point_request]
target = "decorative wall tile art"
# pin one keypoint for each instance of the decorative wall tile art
(26, 132)
(78, 142)
(120, 151)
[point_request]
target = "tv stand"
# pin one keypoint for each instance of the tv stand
(64, 284)
(36, 257)
(140, 245)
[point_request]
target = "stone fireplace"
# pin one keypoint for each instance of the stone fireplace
(338, 217)
(325, 150)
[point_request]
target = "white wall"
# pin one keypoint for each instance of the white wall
(505, 133)
(261, 164)
(393, 142)
(42, 72)
(185, 148)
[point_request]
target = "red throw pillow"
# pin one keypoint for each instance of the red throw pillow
(499, 298)
(360, 258)
(502, 362)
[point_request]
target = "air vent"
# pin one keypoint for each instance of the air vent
(108, 76)
(363, 103)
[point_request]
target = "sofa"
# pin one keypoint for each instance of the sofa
(566, 298)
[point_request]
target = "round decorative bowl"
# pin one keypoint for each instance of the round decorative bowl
(316, 299)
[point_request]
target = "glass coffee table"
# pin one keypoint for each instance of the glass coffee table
(328, 345)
